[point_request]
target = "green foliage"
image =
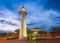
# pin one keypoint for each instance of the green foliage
(56, 31)
(29, 31)
(41, 32)
(17, 31)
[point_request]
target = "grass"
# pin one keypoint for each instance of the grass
(44, 38)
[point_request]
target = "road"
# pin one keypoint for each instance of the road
(21, 41)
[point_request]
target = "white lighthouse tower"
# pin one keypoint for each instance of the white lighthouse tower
(23, 30)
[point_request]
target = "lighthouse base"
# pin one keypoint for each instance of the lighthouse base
(24, 38)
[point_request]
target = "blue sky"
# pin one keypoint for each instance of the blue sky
(40, 13)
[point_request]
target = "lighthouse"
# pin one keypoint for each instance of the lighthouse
(23, 30)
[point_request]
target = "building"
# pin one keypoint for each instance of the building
(23, 31)
(38, 31)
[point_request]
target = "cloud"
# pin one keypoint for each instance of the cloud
(52, 4)
(38, 15)
(7, 15)
(8, 20)
(46, 19)
(7, 27)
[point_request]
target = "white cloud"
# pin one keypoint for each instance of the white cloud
(7, 15)
(7, 27)
(35, 14)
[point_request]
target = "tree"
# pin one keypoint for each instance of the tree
(17, 31)
(56, 31)
(29, 31)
